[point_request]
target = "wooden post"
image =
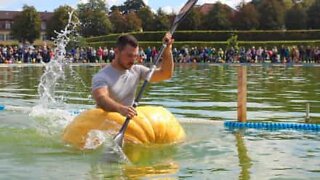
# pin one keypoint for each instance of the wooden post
(242, 94)
(307, 118)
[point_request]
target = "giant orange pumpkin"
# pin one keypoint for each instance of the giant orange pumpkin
(152, 125)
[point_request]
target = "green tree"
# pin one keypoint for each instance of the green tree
(247, 17)
(218, 18)
(133, 22)
(192, 21)
(114, 7)
(118, 21)
(271, 14)
(26, 26)
(288, 4)
(58, 21)
(97, 5)
(314, 15)
(147, 17)
(232, 42)
(162, 21)
(306, 3)
(296, 17)
(130, 5)
(255, 2)
(94, 19)
(134, 5)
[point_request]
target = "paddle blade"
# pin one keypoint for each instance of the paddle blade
(118, 139)
(114, 154)
(182, 14)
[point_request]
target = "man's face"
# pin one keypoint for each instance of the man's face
(127, 56)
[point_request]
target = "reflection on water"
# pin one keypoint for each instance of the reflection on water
(244, 160)
(107, 171)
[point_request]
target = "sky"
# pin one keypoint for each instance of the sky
(50, 5)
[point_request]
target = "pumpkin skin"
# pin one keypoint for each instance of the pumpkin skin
(152, 125)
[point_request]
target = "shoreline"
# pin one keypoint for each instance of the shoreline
(209, 64)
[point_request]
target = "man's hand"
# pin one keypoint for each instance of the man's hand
(104, 101)
(168, 39)
(127, 111)
(165, 71)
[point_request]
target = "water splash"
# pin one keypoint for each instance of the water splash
(95, 139)
(50, 122)
(51, 112)
(54, 70)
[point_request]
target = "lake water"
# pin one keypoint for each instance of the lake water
(31, 146)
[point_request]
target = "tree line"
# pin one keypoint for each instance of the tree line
(134, 15)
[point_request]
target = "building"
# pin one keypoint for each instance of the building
(7, 18)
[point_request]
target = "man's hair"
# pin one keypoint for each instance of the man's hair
(126, 39)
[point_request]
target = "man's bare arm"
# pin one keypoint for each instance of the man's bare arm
(104, 101)
(165, 71)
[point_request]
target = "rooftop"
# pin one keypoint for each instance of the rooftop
(9, 15)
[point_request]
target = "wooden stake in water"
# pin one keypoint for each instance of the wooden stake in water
(242, 94)
(307, 112)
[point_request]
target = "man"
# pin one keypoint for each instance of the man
(114, 87)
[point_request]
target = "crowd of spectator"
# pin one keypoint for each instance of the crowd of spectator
(283, 54)
(20, 54)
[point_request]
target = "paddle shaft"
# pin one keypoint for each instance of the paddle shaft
(140, 93)
(183, 12)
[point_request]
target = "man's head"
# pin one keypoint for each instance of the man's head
(127, 51)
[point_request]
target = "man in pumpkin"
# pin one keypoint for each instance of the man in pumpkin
(114, 87)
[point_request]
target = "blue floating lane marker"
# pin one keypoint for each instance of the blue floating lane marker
(272, 125)
(75, 112)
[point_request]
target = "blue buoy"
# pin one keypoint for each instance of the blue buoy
(272, 125)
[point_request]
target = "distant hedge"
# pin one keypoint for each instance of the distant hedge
(216, 44)
(279, 35)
